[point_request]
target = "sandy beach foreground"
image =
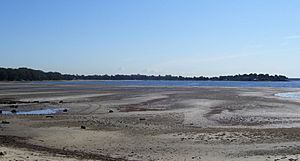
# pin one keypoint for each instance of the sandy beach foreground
(147, 123)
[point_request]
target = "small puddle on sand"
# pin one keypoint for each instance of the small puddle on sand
(36, 112)
(293, 95)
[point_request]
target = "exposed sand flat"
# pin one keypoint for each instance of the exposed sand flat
(196, 110)
(26, 155)
(136, 99)
(72, 97)
(152, 123)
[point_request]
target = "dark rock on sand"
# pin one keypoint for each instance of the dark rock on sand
(13, 106)
(5, 122)
(292, 159)
(83, 127)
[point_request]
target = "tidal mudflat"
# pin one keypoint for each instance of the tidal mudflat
(106, 122)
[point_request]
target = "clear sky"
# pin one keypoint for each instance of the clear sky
(179, 37)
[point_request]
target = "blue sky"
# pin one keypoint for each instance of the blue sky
(179, 37)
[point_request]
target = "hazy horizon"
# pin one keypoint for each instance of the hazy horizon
(187, 38)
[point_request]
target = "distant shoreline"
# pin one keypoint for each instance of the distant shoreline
(289, 80)
(26, 74)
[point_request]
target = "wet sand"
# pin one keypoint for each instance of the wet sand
(148, 123)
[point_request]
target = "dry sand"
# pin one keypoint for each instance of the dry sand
(149, 123)
(23, 154)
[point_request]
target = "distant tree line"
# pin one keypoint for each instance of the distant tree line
(25, 74)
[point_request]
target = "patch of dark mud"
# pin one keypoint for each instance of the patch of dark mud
(19, 142)
(10, 101)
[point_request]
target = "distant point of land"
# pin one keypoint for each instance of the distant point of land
(26, 74)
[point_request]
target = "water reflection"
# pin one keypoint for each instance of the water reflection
(36, 112)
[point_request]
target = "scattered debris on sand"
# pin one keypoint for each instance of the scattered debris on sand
(2, 153)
